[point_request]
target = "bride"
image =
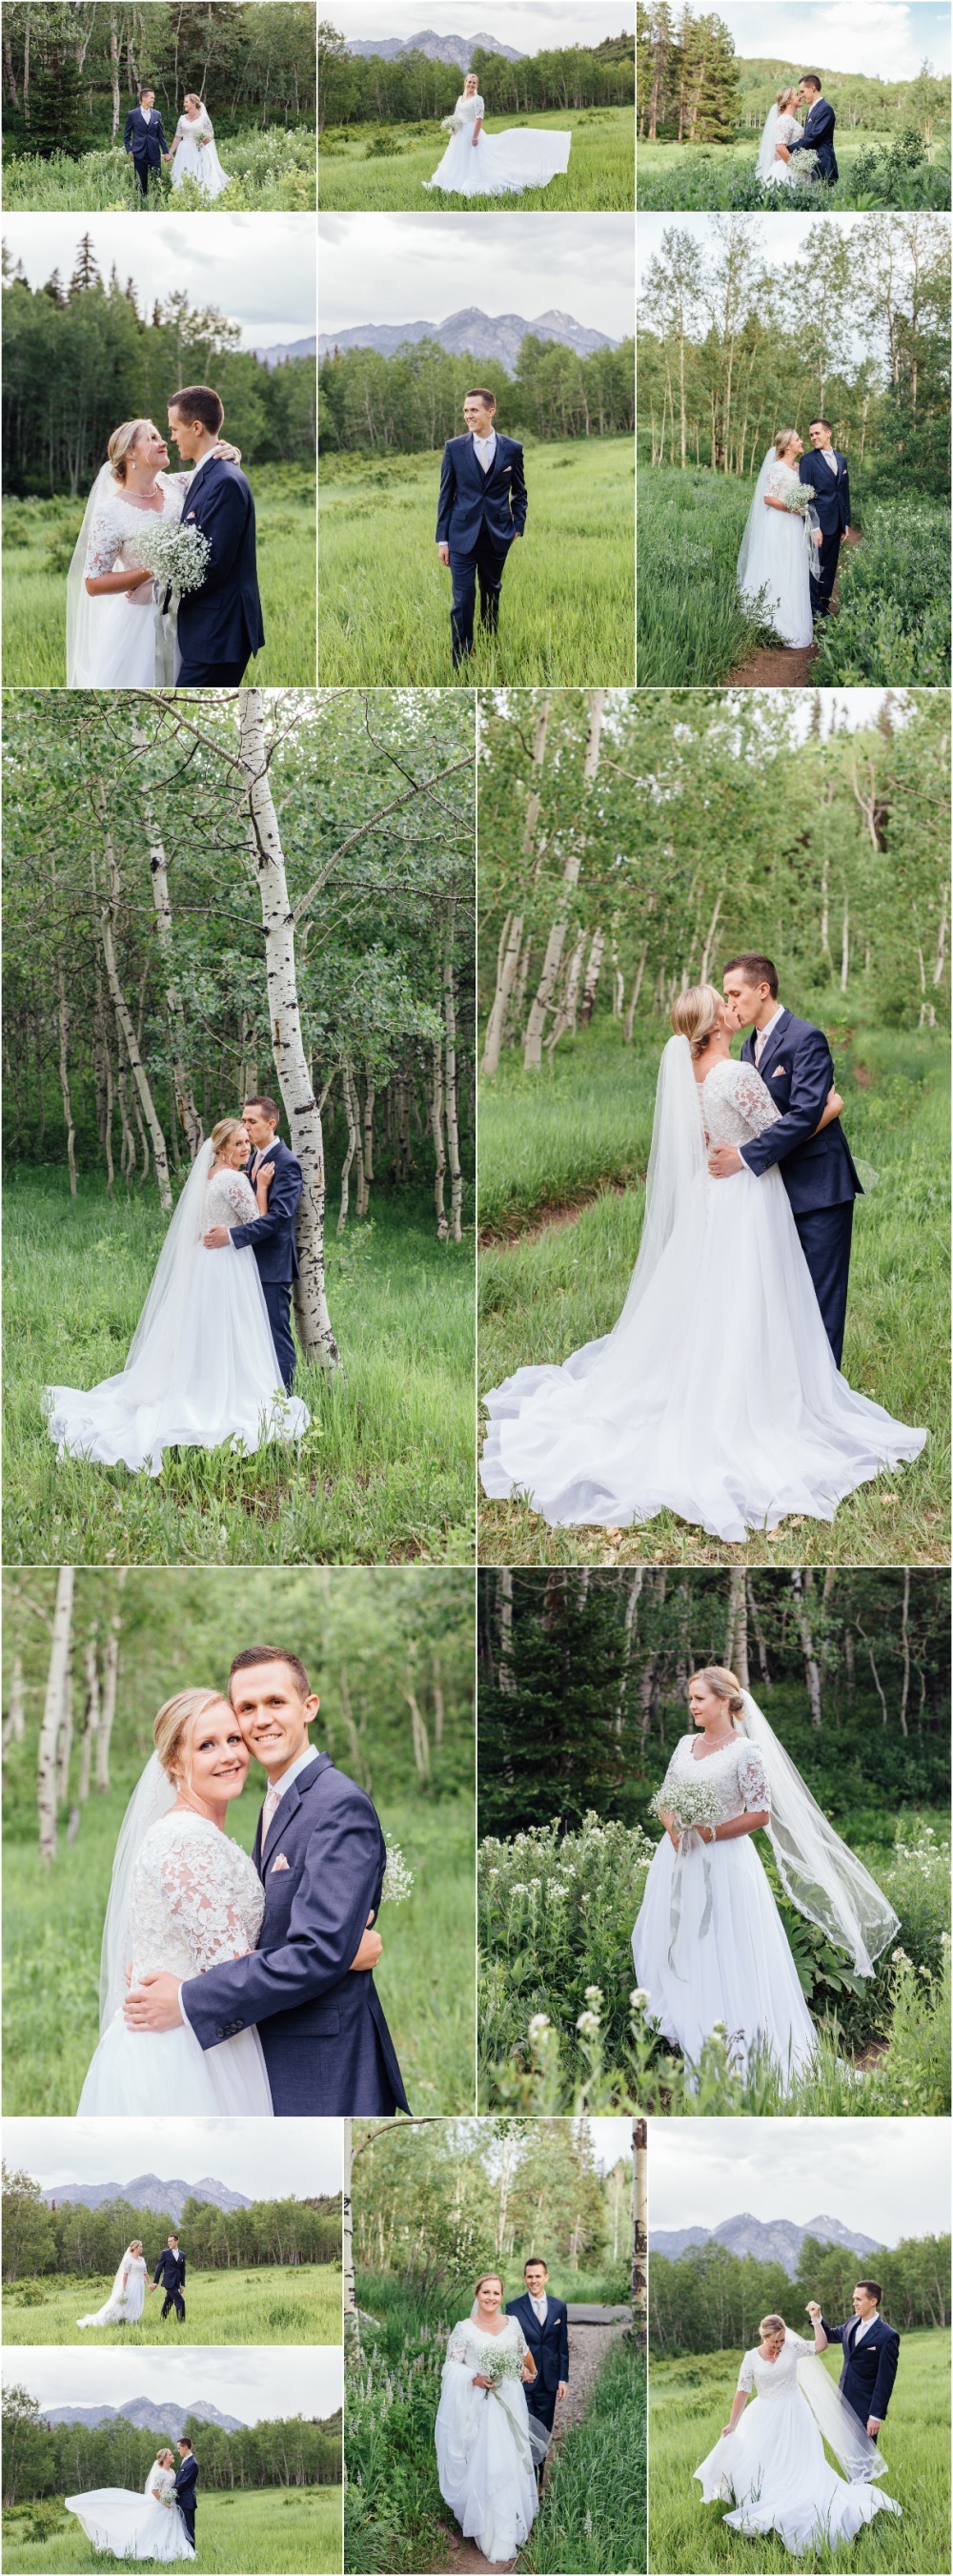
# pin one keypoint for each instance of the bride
(116, 635)
(193, 154)
(201, 1369)
(127, 2298)
(781, 126)
(716, 1394)
(132, 2526)
(477, 164)
(777, 549)
(770, 2457)
(484, 2431)
(184, 1897)
(709, 1945)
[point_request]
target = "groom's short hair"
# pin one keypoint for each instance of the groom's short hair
(535, 2260)
(481, 393)
(262, 1100)
(759, 970)
(184, 2442)
(200, 402)
(820, 423)
(874, 2289)
(270, 1655)
(812, 80)
(146, 90)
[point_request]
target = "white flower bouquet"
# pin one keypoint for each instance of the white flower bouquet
(398, 1879)
(451, 124)
(177, 554)
(800, 501)
(498, 2366)
(691, 1802)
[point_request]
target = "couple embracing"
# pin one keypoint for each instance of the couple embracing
(798, 519)
(239, 1986)
(163, 585)
(718, 1395)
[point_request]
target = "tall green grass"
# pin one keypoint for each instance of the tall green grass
(295, 2303)
(385, 1471)
(427, 1974)
(893, 619)
(566, 606)
(593, 2511)
(259, 2531)
(554, 1140)
(874, 171)
(273, 172)
(38, 540)
(689, 2402)
(355, 176)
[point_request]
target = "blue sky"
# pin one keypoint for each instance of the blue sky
(887, 38)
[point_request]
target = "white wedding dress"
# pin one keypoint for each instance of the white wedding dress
(716, 1395)
(127, 2298)
(484, 2456)
(774, 565)
(201, 1370)
(774, 2466)
(133, 2526)
(113, 639)
(195, 1900)
(196, 158)
(783, 174)
(498, 165)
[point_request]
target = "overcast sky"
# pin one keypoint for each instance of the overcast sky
(265, 2159)
(784, 236)
(420, 268)
(527, 25)
(886, 2178)
(279, 2380)
(883, 37)
(257, 269)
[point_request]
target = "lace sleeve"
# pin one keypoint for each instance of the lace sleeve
(521, 2343)
(752, 1097)
(457, 2346)
(102, 545)
(670, 1782)
(746, 2375)
(799, 2344)
(776, 481)
(241, 1196)
(200, 1900)
(753, 1781)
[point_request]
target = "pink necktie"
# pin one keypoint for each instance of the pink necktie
(272, 1800)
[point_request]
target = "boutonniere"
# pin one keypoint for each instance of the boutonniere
(280, 1862)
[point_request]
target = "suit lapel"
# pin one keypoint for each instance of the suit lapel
(287, 1807)
(775, 1040)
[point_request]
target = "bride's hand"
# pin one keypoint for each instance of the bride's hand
(480, 2379)
(230, 455)
(831, 1110)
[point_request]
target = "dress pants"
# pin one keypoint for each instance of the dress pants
(174, 2299)
(277, 1296)
(825, 1242)
(822, 581)
(211, 675)
(145, 170)
(485, 562)
(541, 2403)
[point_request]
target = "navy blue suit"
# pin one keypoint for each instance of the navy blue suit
(478, 516)
(221, 624)
(186, 2483)
(817, 1171)
(832, 503)
(818, 137)
(145, 142)
(549, 2345)
(170, 2270)
(272, 1239)
(327, 2047)
(869, 2368)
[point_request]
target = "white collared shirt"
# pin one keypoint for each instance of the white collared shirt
(541, 2307)
(761, 1036)
(830, 460)
(484, 449)
(864, 2323)
(301, 1763)
(146, 112)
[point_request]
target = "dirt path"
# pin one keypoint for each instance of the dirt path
(783, 666)
(591, 2331)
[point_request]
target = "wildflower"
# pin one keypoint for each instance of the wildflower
(594, 1995)
(638, 1997)
(540, 2025)
(588, 2024)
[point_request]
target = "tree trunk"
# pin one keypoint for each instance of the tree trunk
(636, 990)
(65, 1745)
(351, 1114)
(114, 68)
(107, 913)
(533, 1042)
(90, 1716)
(568, 1008)
(53, 1712)
(905, 1643)
(801, 1585)
(110, 1682)
(640, 2233)
(450, 1024)
(510, 943)
(14, 1724)
(62, 1015)
(736, 1651)
(440, 1159)
(588, 1003)
(186, 1111)
(351, 2331)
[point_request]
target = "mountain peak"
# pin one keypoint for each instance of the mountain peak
(470, 333)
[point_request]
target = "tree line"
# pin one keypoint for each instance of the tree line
(40, 2239)
(735, 345)
(42, 2459)
(693, 88)
(71, 71)
(630, 840)
(711, 2300)
(410, 403)
(584, 1677)
(81, 355)
(356, 88)
(434, 2203)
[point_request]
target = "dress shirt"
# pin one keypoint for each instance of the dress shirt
(485, 449)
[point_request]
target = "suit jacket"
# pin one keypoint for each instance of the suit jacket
(170, 2270)
(272, 1237)
(470, 499)
(869, 2368)
(327, 2047)
(549, 2344)
(798, 1068)
(818, 137)
(832, 500)
(186, 2483)
(145, 142)
(222, 622)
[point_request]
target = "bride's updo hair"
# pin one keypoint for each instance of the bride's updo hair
(173, 1727)
(135, 2245)
(162, 2457)
(484, 2278)
(783, 96)
(121, 445)
(696, 1015)
(782, 440)
(725, 1685)
(190, 98)
(223, 1131)
(772, 2326)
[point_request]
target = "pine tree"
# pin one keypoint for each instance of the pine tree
(86, 270)
(718, 109)
(56, 110)
(55, 289)
(549, 1743)
(654, 41)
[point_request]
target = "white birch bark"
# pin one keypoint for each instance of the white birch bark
(450, 1025)
(110, 1684)
(14, 1724)
(440, 1155)
(62, 1018)
(53, 1710)
(636, 990)
(592, 974)
(351, 2329)
(186, 1111)
(108, 910)
(533, 1041)
(64, 1747)
(640, 2232)
(418, 1732)
(812, 1671)
(90, 1716)
(508, 957)
(351, 1114)
(736, 1650)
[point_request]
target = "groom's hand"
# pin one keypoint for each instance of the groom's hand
(154, 2004)
(561, 2390)
(873, 2426)
(723, 1161)
(444, 556)
(216, 1236)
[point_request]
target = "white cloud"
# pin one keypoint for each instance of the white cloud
(252, 2385)
(257, 269)
(389, 268)
(886, 2178)
(527, 25)
(265, 2159)
(885, 38)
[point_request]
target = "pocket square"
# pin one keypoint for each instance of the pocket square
(280, 1862)
(776, 1072)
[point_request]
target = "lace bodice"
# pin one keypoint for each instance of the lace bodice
(196, 1899)
(788, 131)
(198, 126)
(468, 109)
(117, 526)
(469, 2339)
(782, 480)
(134, 2263)
(736, 1104)
(774, 2378)
(736, 1775)
(161, 2478)
(229, 1199)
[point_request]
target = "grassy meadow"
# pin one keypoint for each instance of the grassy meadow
(689, 2400)
(677, 178)
(258, 2531)
(593, 2510)
(365, 169)
(269, 173)
(38, 542)
(566, 607)
(893, 626)
(295, 2303)
(579, 1139)
(384, 1473)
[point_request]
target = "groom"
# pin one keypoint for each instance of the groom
(308, 1988)
(186, 2483)
(169, 2275)
(545, 2324)
(826, 472)
(220, 624)
(795, 1061)
(144, 138)
(871, 2352)
(482, 507)
(272, 1237)
(818, 135)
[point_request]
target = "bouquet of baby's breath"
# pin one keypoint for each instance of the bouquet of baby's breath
(690, 1802)
(451, 124)
(497, 2365)
(176, 553)
(800, 501)
(398, 1879)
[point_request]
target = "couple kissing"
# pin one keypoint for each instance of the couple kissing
(144, 609)
(237, 1986)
